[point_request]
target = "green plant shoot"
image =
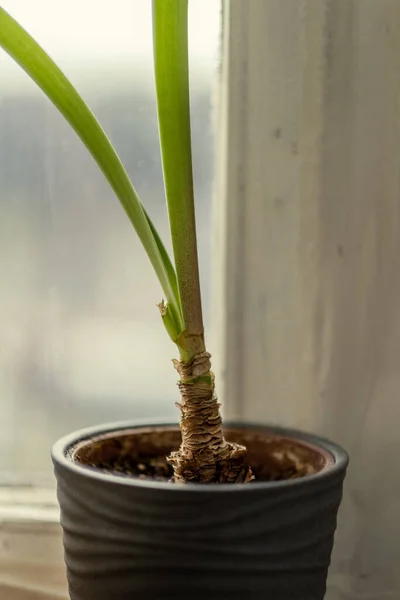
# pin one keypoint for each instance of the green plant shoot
(170, 35)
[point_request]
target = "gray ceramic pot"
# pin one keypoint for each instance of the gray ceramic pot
(130, 539)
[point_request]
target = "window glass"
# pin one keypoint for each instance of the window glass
(81, 341)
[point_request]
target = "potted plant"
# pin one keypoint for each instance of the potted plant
(161, 511)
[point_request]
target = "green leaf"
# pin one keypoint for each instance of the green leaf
(170, 34)
(42, 69)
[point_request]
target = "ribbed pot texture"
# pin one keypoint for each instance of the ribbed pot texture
(129, 539)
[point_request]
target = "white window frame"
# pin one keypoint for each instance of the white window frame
(270, 98)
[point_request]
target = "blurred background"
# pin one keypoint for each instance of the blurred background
(81, 340)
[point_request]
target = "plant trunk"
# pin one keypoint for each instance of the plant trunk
(204, 455)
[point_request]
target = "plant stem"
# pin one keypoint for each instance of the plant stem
(204, 455)
(172, 85)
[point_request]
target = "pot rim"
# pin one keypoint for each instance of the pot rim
(59, 454)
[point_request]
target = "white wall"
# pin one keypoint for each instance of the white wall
(309, 237)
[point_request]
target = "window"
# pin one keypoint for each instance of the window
(80, 342)
(308, 254)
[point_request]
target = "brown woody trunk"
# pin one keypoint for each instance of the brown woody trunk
(204, 455)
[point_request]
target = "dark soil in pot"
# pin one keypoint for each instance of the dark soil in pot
(142, 453)
(130, 533)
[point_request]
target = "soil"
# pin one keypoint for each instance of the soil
(142, 453)
(156, 468)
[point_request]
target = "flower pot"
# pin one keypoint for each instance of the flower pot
(129, 538)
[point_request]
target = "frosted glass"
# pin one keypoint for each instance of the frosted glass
(80, 336)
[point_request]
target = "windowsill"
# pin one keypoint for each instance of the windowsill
(12, 593)
(31, 553)
(28, 504)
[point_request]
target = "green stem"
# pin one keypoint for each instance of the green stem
(172, 84)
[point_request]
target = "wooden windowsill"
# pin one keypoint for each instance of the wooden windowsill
(31, 553)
